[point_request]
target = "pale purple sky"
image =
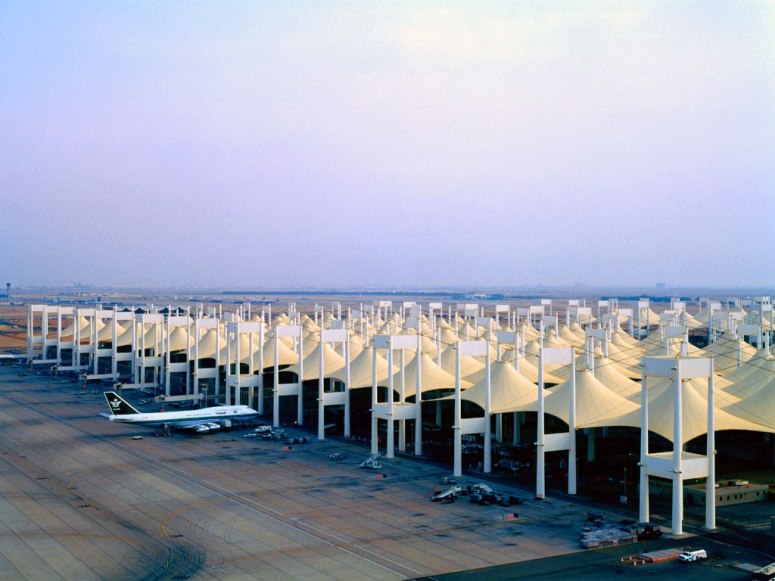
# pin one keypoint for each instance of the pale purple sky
(287, 144)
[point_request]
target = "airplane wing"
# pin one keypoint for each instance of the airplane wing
(197, 426)
(187, 424)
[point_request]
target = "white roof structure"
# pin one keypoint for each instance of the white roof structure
(468, 365)
(508, 390)
(448, 336)
(527, 367)
(609, 374)
(572, 338)
(207, 343)
(287, 356)
(106, 332)
(725, 351)
(695, 416)
(356, 345)
(181, 338)
(657, 349)
(624, 341)
(125, 337)
(595, 403)
(361, 370)
(432, 376)
(332, 362)
(751, 376)
(427, 344)
(759, 407)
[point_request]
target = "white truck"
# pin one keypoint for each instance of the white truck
(696, 555)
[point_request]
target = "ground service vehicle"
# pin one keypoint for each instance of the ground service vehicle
(689, 556)
(764, 574)
(648, 531)
(448, 494)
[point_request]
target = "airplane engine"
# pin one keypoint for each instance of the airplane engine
(213, 426)
(202, 429)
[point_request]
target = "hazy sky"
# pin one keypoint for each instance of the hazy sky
(381, 144)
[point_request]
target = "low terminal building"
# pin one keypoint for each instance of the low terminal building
(728, 492)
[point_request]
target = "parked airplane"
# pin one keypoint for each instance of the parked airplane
(200, 421)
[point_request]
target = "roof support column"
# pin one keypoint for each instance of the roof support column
(710, 482)
(456, 427)
(678, 497)
(643, 511)
(390, 440)
(418, 399)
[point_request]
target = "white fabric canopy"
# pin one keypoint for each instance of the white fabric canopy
(332, 361)
(595, 403)
(695, 414)
(361, 370)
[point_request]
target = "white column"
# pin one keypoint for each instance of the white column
(677, 515)
(487, 408)
(321, 391)
(540, 456)
(31, 331)
(390, 440)
(261, 340)
(418, 399)
(710, 482)
(227, 400)
(374, 426)
(217, 358)
(644, 450)
(276, 390)
(300, 418)
(572, 427)
(237, 366)
(401, 396)
(347, 433)
(456, 427)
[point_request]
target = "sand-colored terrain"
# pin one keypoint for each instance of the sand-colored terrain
(13, 329)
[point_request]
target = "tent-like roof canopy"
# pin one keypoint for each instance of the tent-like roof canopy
(432, 377)
(751, 376)
(695, 416)
(725, 352)
(468, 364)
(610, 374)
(759, 407)
(286, 355)
(594, 401)
(508, 389)
(332, 362)
(361, 370)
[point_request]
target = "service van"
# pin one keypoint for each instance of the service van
(693, 555)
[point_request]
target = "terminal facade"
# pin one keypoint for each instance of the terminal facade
(545, 375)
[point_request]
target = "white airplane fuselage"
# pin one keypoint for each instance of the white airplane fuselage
(186, 417)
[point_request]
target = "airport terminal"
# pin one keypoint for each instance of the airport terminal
(548, 377)
(547, 398)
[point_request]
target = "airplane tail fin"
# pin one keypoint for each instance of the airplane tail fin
(118, 405)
